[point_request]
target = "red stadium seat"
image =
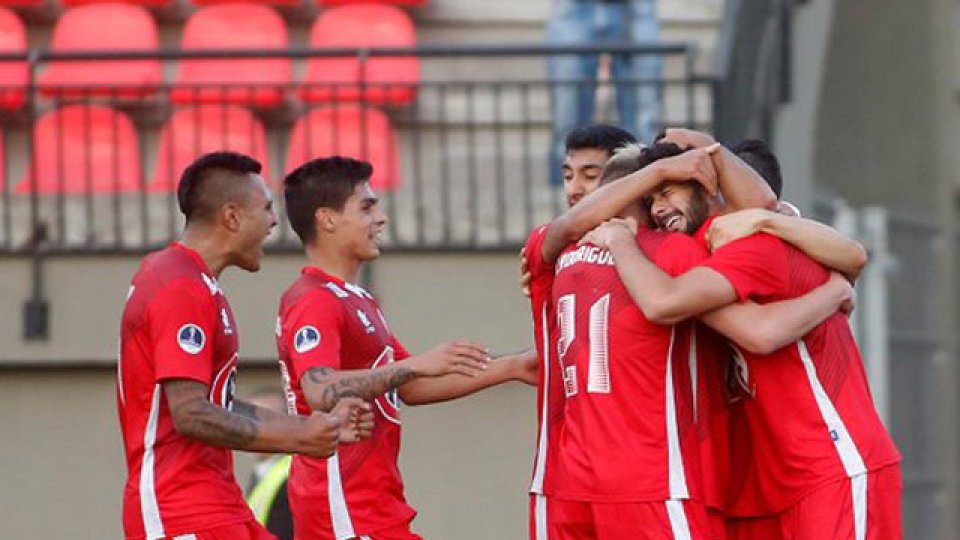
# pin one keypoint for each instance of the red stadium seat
(255, 81)
(194, 131)
(13, 75)
(351, 131)
(84, 149)
(144, 3)
(385, 80)
(411, 3)
(104, 27)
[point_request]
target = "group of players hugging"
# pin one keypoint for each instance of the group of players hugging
(696, 372)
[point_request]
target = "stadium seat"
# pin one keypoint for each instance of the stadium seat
(13, 75)
(84, 149)
(144, 3)
(411, 3)
(255, 81)
(103, 27)
(351, 131)
(193, 131)
(385, 80)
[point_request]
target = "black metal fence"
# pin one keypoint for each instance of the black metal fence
(461, 153)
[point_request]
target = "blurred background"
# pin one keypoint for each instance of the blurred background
(458, 104)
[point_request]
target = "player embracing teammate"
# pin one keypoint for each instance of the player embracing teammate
(652, 441)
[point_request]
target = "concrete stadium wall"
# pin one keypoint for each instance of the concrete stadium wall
(467, 463)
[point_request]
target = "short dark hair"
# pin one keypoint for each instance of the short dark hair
(761, 158)
(602, 136)
(211, 181)
(321, 183)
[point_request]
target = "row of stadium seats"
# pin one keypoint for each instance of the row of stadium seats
(162, 3)
(255, 81)
(82, 149)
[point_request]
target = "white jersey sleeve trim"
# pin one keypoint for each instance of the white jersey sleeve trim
(540, 466)
(678, 477)
(339, 514)
(678, 520)
(149, 508)
(846, 449)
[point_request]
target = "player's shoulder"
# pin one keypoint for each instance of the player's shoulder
(664, 243)
(537, 235)
(313, 293)
(172, 273)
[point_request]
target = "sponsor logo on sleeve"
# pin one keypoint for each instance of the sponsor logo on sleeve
(306, 339)
(191, 338)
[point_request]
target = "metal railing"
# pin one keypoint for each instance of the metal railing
(471, 153)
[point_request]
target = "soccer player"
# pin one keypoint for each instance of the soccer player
(626, 466)
(588, 149)
(817, 462)
(334, 342)
(178, 365)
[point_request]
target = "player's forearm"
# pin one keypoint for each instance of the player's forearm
(650, 287)
(324, 387)
(605, 202)
(763, 329)
(741, 186)
(437, 389)
(821, 243)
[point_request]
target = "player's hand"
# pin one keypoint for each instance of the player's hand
(847, 293)
(527, 367)
(320, 435)
(525, 276)
(696, 164)
(686, 138)
(736, 225)
(463, 357)
(356, 419)
(607, 232)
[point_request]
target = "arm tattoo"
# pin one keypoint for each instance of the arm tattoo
(196, 417)
(366, 385)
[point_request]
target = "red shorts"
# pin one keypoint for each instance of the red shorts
(717, 523)
(248, 530)
(541, 512)
(662, 520)
(865, 507)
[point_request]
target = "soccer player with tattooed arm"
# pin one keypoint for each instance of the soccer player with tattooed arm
(335, 343)
(178, 366)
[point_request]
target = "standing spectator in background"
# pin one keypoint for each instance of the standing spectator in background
(267, 492)
(573, 77)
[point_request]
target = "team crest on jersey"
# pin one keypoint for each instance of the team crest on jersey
(389, 402)
(738, 383)
(306, 339)
(191, 338)
(224, 385)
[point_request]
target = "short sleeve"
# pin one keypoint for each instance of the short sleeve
(182, 318)
(679, 253)
(313, 327)
(756, 266)
(533, 251)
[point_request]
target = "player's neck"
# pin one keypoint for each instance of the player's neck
(335, 264)
(209, 247)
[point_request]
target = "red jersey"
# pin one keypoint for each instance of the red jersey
(325, 322)
(177, 324)
(710, 361)
(628, 432)
(807, 407)
(550, 398)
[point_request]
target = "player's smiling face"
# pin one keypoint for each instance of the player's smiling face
(360, 223)
(258, 219)
(678, 207)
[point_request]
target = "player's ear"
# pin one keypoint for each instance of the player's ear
(326, 219)
(230, 217)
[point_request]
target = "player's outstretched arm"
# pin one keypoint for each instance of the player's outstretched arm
(741, 186)
(762, 329)
(522, 367)
(252, 428)
(662, 298)
(820, 242)
(610, 199)
(323, 387)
